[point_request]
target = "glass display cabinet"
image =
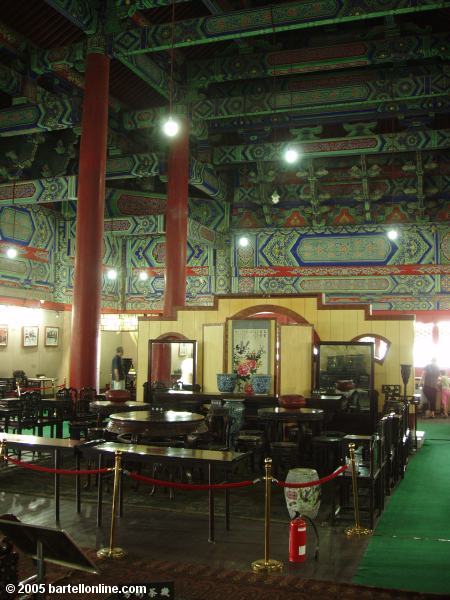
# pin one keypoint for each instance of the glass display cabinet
(345, 370)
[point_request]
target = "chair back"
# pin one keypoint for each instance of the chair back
(63, 393)
(87, 395)
(29, 412)
(391, 391)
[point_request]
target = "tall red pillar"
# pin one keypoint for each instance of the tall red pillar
(177, 221)
(90, 216)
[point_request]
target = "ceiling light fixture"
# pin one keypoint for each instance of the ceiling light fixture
(171, 127)
(11, 253)
(291, 155)
(143, 276)
(243, 242)
(275, 197)
(392, 234)
(112, 274)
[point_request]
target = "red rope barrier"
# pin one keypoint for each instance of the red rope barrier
(188, 486)
(32, 467)
(305, 484)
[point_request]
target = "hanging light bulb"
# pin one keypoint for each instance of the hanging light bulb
(291, 155)
(275, 197)
(112, 274)
(11, 253)
(392, 234)
(143, 276)
(171, 127)
(243, 242)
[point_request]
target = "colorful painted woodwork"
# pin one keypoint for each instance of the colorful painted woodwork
(346, 55)
(260, 21)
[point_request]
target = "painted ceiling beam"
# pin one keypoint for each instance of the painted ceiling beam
(218, 7)
(367, 144)
(135, 5)
(82, 13)
(261, 21)
(11, 82)
(152, 74)
(79, 13)
(326, 58)
(257, 123)
(55, 113)
(365, 84)
(367, 93)
(203, 177)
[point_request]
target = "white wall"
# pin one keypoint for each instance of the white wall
(40, 359)
(54, 361)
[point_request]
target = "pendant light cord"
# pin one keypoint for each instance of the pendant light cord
(171, 60)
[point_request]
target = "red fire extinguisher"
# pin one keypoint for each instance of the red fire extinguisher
(297, 540)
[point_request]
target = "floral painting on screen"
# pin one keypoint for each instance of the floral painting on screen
(250, 351)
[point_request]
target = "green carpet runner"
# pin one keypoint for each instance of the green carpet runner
(410, 548)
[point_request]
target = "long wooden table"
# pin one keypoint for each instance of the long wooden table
(58, 447)
(186, 457)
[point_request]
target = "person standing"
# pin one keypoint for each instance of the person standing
(430, 379)
(445, 391)
(118, 372)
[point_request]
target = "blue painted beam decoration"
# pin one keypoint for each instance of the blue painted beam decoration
(82, 13)
(345, 55)
(262, 21)
(408, 141)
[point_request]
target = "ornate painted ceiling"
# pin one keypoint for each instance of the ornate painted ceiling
(359, 87)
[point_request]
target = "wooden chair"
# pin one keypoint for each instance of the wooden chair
(369, 478)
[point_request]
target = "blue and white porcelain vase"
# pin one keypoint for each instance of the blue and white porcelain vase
(236, 409)
(261, 383)
(226, 382)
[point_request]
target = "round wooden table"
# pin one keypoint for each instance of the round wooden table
(155, 423)
(104, 408)
(309, 422)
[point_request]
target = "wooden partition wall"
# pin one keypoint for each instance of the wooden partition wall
(331, 323)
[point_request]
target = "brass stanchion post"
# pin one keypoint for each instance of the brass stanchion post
(357, 529)
(2, 451)
(266, 564)
(112, 551)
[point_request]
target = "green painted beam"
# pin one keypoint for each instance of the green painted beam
(326, 58)
(346, 146)
(314, 96)
(79, 12)
(262, 21)
(134, 5)
(152, 74)
(11, 82)
(56, 113)
(82, 13)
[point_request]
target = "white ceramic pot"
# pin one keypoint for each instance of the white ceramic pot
(304, 501)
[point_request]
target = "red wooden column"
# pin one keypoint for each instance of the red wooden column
(90, 215)
(176, 221)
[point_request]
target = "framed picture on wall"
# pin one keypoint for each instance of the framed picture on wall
(3, 335)
(182, 349)
(51, 336)
(30, 335)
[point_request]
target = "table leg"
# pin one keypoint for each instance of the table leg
(57, 466)
(78, 483)
(100, 491)
(227, 506)
(211, 504)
